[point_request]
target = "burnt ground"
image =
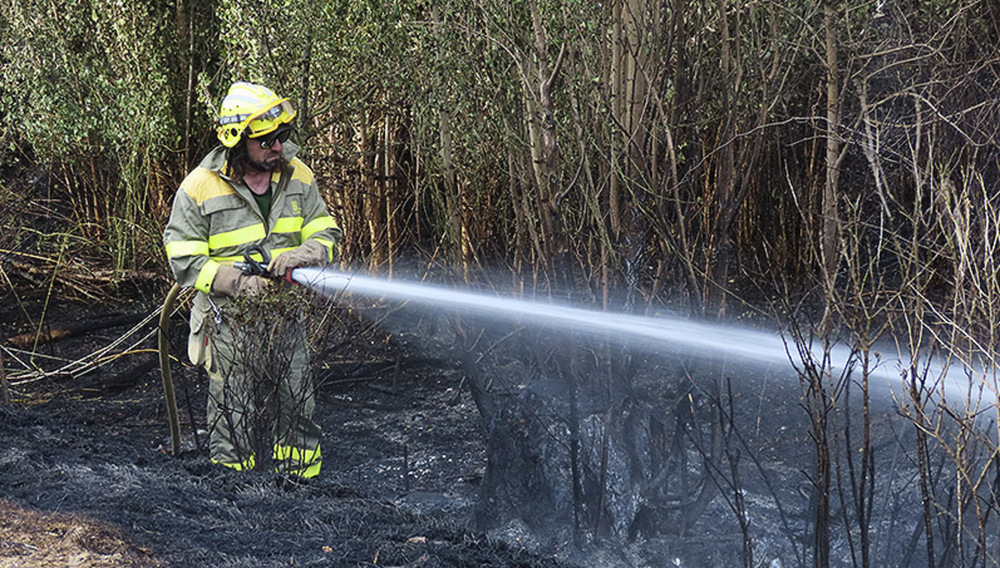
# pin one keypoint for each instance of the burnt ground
(87, 479)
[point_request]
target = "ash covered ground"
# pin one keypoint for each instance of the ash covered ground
(87, 479)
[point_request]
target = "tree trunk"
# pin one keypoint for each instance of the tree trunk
(544, 143)
(453, 203)
(821, 534)
(830, 228)
(617, 104)
(725, 198)
(185, 71)
(389, 185)
(372, 201)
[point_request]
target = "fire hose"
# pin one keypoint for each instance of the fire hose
(168, 382)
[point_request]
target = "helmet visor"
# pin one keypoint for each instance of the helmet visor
(270, 118)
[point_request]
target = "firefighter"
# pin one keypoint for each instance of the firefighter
(251, 190)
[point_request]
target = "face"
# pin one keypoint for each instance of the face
(264, 159)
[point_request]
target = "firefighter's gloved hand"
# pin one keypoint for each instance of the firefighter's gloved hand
(232, 282)
(309, 253)
(253, 286)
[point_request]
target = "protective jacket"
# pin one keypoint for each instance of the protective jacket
(213, 221)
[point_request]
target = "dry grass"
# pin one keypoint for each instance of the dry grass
(31, 538)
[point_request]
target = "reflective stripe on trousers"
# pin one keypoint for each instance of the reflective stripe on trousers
(287, 459)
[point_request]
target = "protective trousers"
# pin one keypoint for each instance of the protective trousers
(261, 396)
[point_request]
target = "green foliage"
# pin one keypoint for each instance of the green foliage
(88, 85)
(99, 90)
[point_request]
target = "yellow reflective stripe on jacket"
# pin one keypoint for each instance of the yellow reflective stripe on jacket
(309, 461)
(206, 276)
(288, 225)
(186, 248)
(330, 245)
(317, 225)
(228, 259)
(237, 238)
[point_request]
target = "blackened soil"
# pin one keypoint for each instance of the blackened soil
(87, 479)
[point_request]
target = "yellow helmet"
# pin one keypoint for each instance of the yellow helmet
(252, 110)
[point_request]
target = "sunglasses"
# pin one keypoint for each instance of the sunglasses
(280, 135)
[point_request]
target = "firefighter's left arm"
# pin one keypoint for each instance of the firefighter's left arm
(318, 225)
(319, 237)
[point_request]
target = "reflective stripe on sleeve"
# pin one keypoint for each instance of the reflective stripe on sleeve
(177, 249)
(231, 259)
(288, 225)
(329, 246)
(318, 224)
(206, 275)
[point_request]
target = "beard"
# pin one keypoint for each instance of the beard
(239, 162)
(270, 164)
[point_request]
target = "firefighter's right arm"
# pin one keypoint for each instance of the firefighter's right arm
(186, 241)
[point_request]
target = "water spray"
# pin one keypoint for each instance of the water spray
(656, 334)
(670, 333)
